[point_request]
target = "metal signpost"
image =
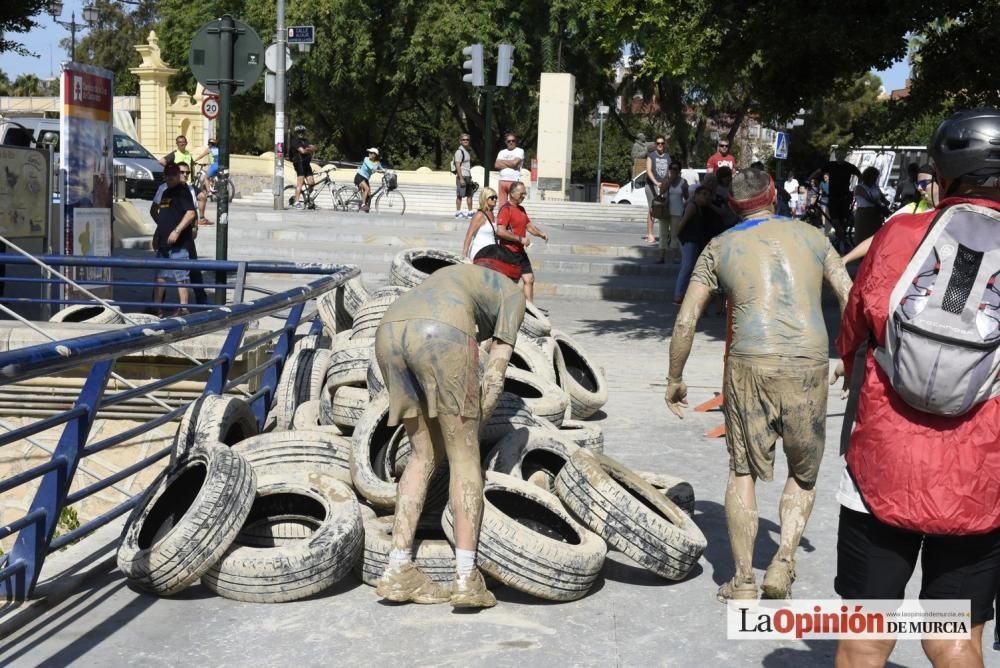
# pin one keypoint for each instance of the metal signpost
(602, 114)
(780, 155)
(228, 56)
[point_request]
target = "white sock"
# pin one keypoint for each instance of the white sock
(399, 558)
(465, 561)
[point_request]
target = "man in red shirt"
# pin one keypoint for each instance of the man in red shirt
(515, 219)
(721, 158)
(915, 482)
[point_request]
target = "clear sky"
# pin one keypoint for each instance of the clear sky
(44, 41)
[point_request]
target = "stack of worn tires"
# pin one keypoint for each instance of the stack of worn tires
(285, 514)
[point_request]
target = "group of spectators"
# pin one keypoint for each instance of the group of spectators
(919, 339)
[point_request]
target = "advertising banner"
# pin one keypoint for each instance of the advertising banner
(24, 192)
(86, 157)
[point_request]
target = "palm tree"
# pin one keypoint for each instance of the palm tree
(27, 85)
(4, 83)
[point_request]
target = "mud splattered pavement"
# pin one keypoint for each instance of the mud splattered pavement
(631, 617)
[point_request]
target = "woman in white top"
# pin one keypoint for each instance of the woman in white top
(676, 191)
(482, 228)
(868, 204)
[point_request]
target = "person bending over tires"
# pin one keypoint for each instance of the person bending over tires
(426, 347)
(772, 269)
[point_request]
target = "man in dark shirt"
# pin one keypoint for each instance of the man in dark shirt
(175, 218)
(840, 172)
(301, 151)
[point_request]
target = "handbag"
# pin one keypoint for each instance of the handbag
(659, 207)
(504, 254)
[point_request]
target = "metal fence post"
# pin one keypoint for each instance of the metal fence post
(273, 373)
(216, 383)
(33, 540)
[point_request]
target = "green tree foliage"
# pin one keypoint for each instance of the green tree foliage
(16, 18)
(110, 42)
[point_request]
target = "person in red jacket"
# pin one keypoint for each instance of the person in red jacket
(918, 484)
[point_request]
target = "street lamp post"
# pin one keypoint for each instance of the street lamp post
(602, 114)
(90, 15)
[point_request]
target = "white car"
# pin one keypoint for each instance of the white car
(634, 192)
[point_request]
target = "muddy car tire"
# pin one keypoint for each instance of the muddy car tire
(369, 316)
(530, 543)
(349, 364)
(580, 378)
(97, 314)
(373, 379)
(294, 569)
(301, 381)
(432, 552)
(587, 435)
(681, 492)
(337, 307)
(187, 519)
(348, 405)
(531, 357)
(511, 413)
(412, 266)
(630, 514)
(535, 324)
(544, 399)
(532, 454)
(372, 437)
(212, 419)
(140, 319)
(299, 450)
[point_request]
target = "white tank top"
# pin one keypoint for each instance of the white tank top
(675, 199)
(482, 238)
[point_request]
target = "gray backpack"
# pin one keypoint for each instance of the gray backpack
(942, 339)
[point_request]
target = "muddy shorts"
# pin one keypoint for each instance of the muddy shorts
(765, 399)
(429, 368)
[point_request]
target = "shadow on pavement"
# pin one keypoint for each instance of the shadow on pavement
(711, 519)
(70, 613)
(820, 653)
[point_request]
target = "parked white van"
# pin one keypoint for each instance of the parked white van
(143, 173)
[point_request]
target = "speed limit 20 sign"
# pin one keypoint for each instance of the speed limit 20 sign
(210, 108)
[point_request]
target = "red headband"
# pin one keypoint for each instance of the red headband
(756, 203)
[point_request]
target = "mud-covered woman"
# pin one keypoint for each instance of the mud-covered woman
(427, 348)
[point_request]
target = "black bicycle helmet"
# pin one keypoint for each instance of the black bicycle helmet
(300, 128)
(967, 145)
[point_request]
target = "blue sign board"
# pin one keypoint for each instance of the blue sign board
(781, 145)
(301, 35)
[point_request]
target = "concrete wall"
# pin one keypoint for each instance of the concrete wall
(557, 98)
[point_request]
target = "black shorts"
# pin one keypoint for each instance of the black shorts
(525, 263)
(876, 560)
(302, 168)
(358, 179)
(839, 206)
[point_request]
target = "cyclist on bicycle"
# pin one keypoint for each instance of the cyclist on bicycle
(301, 151)
(370, 165)
(213, 163)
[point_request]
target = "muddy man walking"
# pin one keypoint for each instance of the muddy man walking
(772, 270)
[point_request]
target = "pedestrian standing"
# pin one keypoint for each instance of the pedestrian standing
(509, 161)
(175, 218)
(461, 164)
(772, 270)
(692, 232)
(301, 150)
(869, 205)
(721, 158)
(676, 192)
(657, 167)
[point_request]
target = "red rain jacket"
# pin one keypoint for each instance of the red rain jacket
(923, 472)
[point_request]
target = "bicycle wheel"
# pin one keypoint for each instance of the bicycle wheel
(230, 191)
(391, 201)
(348, 198)
(290, 195)
(325, 195)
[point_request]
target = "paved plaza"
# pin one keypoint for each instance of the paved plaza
(630, 618)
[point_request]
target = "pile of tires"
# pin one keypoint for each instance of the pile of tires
(285, 514)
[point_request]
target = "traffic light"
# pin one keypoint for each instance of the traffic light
(474, 64)
(505, 61)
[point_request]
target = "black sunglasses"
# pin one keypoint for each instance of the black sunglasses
(659, 143)
(924, 183)
(511, 141)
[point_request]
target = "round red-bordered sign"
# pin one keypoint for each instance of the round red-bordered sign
(210, 108)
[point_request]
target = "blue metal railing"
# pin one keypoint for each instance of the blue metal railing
(35, 530)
